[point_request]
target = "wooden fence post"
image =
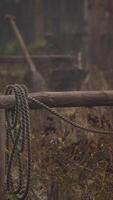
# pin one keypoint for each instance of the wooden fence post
(2, 155)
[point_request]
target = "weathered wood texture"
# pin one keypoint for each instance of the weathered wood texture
(65, 99)
(2, 155)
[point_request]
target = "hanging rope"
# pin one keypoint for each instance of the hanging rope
(67, 120)
(18, 143)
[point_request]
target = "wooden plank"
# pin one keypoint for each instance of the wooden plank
(2, 155)
(65, 99)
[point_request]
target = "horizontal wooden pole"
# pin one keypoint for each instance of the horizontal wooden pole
(36, 58)
(64, 99)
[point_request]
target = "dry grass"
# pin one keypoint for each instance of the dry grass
(68, 163)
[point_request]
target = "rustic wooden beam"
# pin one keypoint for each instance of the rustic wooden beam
(2, 155)
(64, 99)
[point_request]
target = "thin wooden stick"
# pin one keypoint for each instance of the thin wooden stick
(2, 155)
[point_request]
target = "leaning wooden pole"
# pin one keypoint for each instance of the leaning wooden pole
(26, 54)
(64, 99)
(2, 155)
(36, 79)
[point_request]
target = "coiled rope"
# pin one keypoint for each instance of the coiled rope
(18, 143)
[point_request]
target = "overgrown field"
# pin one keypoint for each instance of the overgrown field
(67, 163)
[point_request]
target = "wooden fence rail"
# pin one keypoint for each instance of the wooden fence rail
(64, 99)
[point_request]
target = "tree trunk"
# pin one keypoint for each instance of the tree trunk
(38, 19)
(101, 32)
(86, 41)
